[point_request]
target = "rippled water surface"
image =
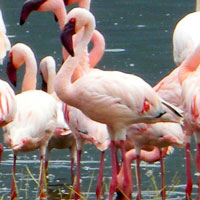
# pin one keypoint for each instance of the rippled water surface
(138, 40)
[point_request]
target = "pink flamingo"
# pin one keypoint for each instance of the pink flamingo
(185, 40)
(7, 107)
(62, 138)
(4, 41)
(93, 131)
(34, 122)
(7, 95)
(114, 98)
(189, 79)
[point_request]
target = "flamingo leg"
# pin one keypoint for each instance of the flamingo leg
(1, 152)
(197, 159)
(163, 189)
(127, 179)
(46, 165)
(188, 189)
(13, 186)
(114, 182)
(139, 194)
(100, 177)
(72, 170)
(78, 175)
(42, 177)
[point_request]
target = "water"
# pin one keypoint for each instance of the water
(138, 40)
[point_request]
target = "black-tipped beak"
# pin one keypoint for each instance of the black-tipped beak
(28, 7)
(66, 2)
(66, 36)
(11, 72)
(44, 84)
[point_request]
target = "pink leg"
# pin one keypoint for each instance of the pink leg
(114, 182)
(117, 163)
(1, 152)
(127, 179)
(46, 165)
(72, 170)
(163, 189)
(13, 188)
(100, 177)
(41, 192)
(139, 195)
(188, 189)
(78, 175)
(197, 159)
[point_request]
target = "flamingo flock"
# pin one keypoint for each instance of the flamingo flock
(112, 110)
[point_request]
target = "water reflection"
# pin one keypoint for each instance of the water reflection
(138, 40)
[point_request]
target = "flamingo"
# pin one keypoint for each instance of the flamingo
(7, 106)
(34, 122)
(189, 79)
(94, 56)
(4, 41)
(7, 95)
(61, 139)
(185, 40)
(92, 131)
(186, 35)
(169, 89)
(114, 98)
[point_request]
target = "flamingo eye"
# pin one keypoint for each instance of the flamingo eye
(72, 20)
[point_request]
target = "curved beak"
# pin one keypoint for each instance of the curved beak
(28, 7)
(11, 72)
(66, 36)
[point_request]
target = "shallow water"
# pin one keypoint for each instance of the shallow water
(138, 40)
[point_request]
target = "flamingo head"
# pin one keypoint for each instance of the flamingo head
(77, 20)
(16, 59)
(28, 7)
(67, 34)
(11, 71)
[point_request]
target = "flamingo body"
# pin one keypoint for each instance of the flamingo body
(28, 132)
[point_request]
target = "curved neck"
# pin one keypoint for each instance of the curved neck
(63, 82)
(58, 8)
(85, 4)
(61, 16)
(189, 65)
(98, 48)
(30, 75)
(197, 5)
(51, 80)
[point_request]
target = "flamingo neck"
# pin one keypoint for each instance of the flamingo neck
(63, 81)
(30, 74)
(197, 8)
(85, 4)
(51, 80)
(58, 8)
(82, 66)
(189, 65)
(98, 48)
(61, 16)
